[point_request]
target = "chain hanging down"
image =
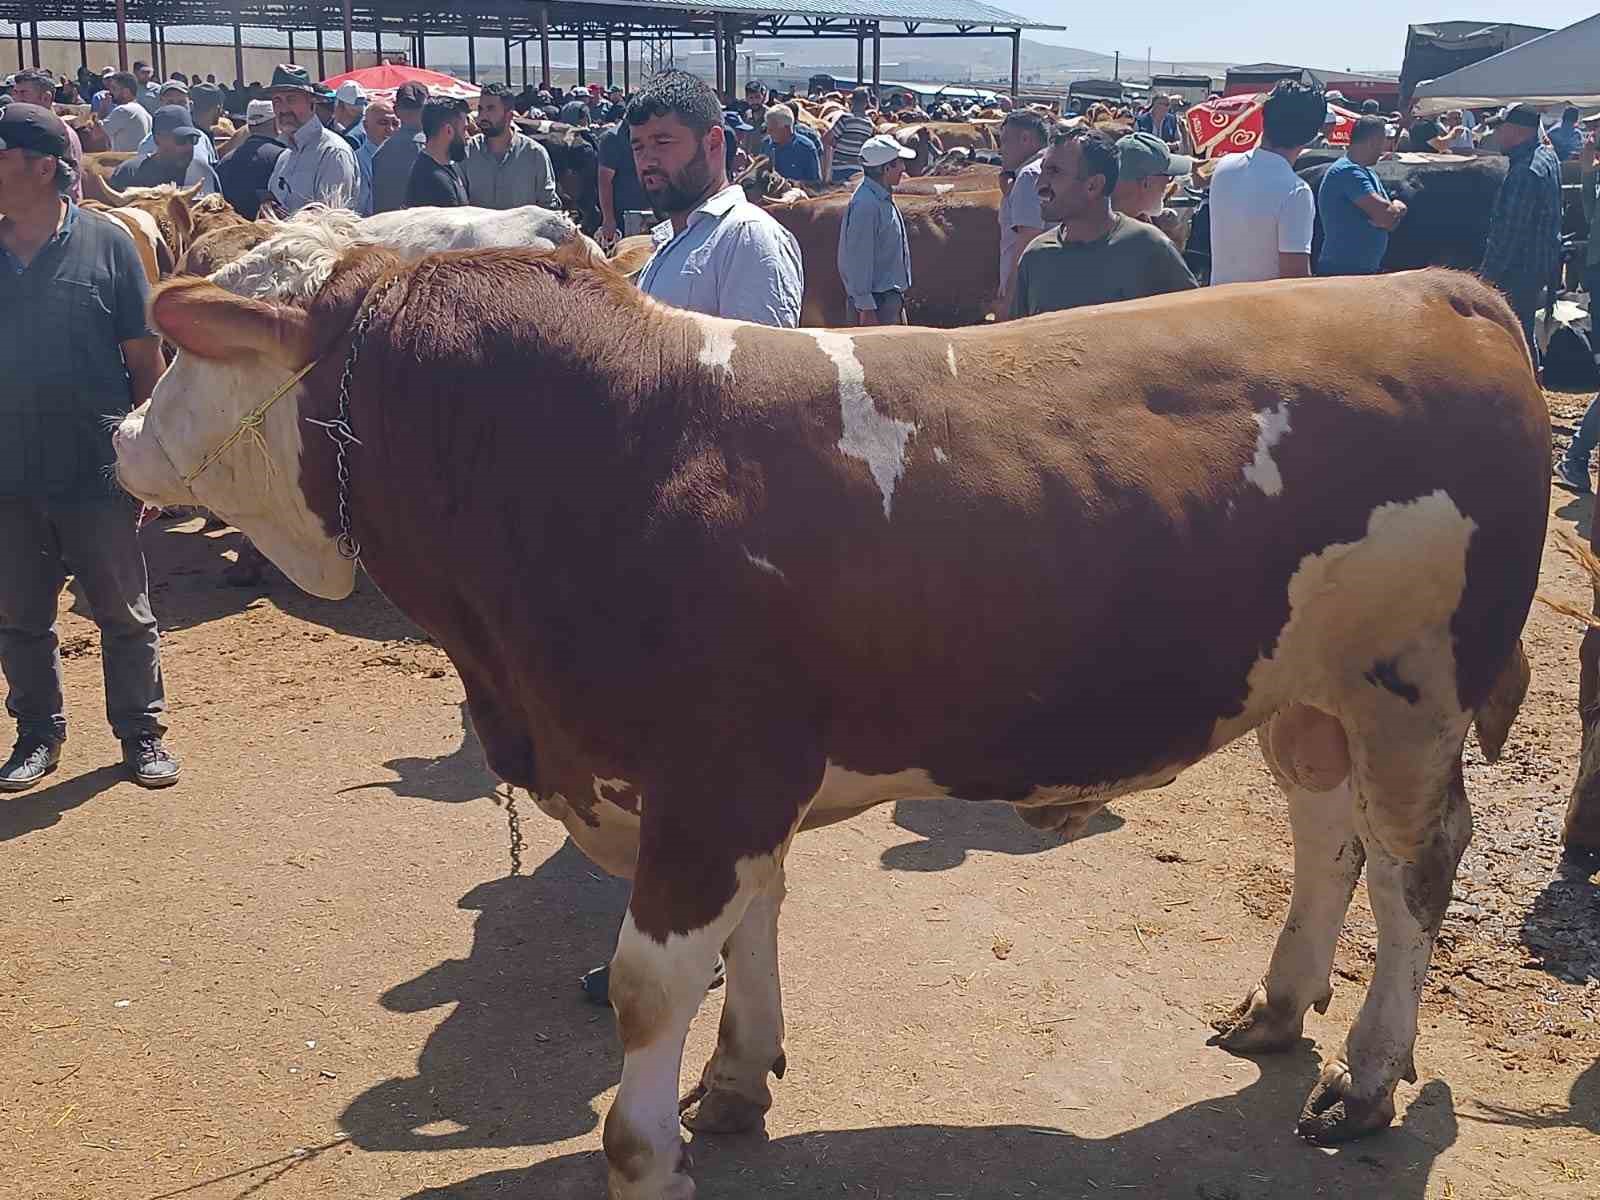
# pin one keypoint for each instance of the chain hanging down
(513, 826)
(338, 429)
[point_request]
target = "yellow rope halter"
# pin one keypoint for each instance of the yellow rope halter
(251, 424)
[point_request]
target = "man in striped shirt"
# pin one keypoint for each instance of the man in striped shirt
(841, 145)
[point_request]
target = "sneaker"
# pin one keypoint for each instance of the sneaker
(149, 762)
(32, 758)
(1572, 478)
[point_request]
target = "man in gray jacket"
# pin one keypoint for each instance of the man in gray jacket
(874, 255)
(504, 167)
(391, 165)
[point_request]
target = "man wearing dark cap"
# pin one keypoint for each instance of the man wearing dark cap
(1525, 222)
(174, 159)
(75, 354)
(391, 165)
(319, 167)
(205, 111)
(35, 87)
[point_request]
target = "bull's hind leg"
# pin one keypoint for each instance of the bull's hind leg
(732, 1095)
(1413, 819)
(1306, 751)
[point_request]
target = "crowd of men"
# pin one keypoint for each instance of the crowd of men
(1081, 223)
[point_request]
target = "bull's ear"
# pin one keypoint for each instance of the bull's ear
(182, 221)
(198, 316)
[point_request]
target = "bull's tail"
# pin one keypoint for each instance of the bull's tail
(1499, 709)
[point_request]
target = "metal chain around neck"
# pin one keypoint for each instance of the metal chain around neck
(338, 429)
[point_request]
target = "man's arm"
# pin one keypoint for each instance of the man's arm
(1586, 163)
(1385, 214)
(1294, 266)
(1025, 235)
(145, 364)
(855, 259)
(1297, 222)
(544, 180)
(1500, 247)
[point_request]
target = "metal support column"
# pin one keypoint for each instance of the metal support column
(238, 46)
(508, 60)
(22, 62)
(544, 45)
(422, 43)
(731, 49)
(377, 37)
(122, 35)
(861, 53)
(524, 62)
(716, 45)
(1016, 62)
(877, 56)
(349, 37)
(472, 51)
(627, 60)
(33, 38)
(83, 41)
(611, 75)
(155, 54)
(322, 57)
(291, 47)
(583, 73)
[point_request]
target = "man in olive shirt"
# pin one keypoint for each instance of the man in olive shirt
(75, 354)
(1093, 255)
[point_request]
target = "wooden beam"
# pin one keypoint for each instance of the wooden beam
(1016, 62)
(83, 40)
(544, 45)
(122, 35)
(349, 36)
(238, 45)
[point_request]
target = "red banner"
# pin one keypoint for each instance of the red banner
(1232, 125)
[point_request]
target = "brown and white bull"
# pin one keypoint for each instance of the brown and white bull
(708, 584)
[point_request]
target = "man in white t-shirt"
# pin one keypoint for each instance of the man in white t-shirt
(1262, 213)
(127, 124)
(1023, 136)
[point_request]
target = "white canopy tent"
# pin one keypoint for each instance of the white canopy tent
(1557, 67)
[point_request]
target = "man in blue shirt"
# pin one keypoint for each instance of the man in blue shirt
(874, 253)
(1525, 224)
(1355, 208)
(1160, 120)
(795, 158)
(1566, 138)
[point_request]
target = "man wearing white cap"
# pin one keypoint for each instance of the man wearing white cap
(247, 166)
(874, 255)
(349, 106)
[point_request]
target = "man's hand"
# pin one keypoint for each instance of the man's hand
(607, 237)
(1398, 208)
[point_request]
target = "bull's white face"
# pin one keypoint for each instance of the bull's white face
(212, 385)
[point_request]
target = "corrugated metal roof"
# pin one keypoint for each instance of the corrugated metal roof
(932, 12)
(255, 37)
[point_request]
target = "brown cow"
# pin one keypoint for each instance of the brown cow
(709, 583)
(955, 255)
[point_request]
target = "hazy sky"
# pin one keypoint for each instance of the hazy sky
(1346, 34)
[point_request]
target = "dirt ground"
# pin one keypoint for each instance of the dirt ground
(306, 971)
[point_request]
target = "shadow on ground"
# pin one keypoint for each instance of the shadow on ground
(1238, 1147)
(1562, 926)
(452, 778)
(954, 827)
(1580, 511)
(522, 1055)
(29, 812)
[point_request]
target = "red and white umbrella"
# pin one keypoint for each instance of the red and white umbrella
(1232, 125)
(380, 82)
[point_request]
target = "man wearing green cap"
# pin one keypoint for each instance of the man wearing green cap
(319, 166)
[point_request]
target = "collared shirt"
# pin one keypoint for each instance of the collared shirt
(797, 159)
(391, 169)
(364, 159)
(203, 149)
(1525, 223)
(318, 167)
(150, 97)
(1351, 243)
(1567, 141)
(1145, 123)
(1019, 209)
(68, 312)
(874, 254)
(731, 260)
(153, 170)
(522, 175)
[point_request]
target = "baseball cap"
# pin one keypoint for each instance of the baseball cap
(29, 127)
(573, 111)
(173, 85)
(173, 119)
(1144, 155)
(352, 93)
(1525, 115)
(201, 93)
(322, 93)
(258, 112)
(881, 149)
(732, 120)
(410, 95)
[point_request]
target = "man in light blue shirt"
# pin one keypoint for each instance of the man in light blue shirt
(318, 167)
(716, 253)
(874, 253)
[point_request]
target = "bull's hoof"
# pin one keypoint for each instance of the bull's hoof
(1255, 1026)
(712, 1111)
(1332, 1115)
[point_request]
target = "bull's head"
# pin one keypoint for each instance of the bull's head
(235, 354)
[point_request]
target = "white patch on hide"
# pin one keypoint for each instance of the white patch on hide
(939, 455)
(716, 345)
(1272, 424)
(877, 440)
(763, 564)
(950, 357)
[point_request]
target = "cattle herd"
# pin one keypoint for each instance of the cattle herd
(709, 585)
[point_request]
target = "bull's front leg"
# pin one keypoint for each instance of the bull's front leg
(732, 1095)
(687, 903)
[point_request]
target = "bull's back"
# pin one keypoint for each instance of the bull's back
(1097, 515)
